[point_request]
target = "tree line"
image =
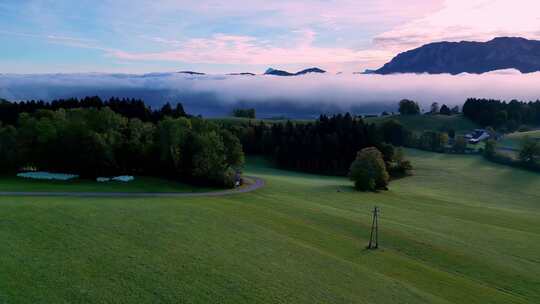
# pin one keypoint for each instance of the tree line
(505, 116)
(244, 113)
(411, 107)
(126, 107)
(328, 145)
(98, 141)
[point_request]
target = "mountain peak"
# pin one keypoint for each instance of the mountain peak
(191, 73)
(468, 57)
(271, 71)
(311, 70)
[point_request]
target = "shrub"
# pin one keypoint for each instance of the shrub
(368, 171)
(529, 151)
(399, 166)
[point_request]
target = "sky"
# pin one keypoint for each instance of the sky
(216, 36)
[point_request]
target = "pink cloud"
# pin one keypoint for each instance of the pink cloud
(231, 49)
(477, 20)
(412, 23)
(298, 13)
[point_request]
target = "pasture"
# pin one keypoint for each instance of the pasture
(514, 140)
(461, 230)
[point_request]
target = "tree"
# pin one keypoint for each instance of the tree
(394, 132)
(244, 113)
(8, 149)
(97, 141)
(233, 150)
(529, 151)
(139, 145)
(408, 107)
(503, 115)
(368, 171)
(501, 118)
(173, 138)
(490, 148)
(445, 110)
(433, 141)
(387, 151)
(434, 108)
(460, 144)
(399, 166)
(209, 162)
(179, 111)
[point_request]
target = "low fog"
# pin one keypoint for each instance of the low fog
(293, 97)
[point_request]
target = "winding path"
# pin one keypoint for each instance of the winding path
(256, 184)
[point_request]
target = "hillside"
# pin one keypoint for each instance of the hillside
(468, 57)
(458, 231)
(514, 140)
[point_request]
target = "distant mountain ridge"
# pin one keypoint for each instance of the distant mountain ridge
(241, 74)
(468, 57)
(275, 72)
(191, 73)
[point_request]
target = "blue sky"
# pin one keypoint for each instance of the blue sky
(138, 36)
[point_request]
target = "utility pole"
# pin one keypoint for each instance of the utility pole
(374, 237)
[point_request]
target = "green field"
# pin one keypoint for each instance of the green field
(419, 123)
(140, 184)
(514, 140)
(462, 230)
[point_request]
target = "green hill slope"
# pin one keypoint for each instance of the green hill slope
(461, 230)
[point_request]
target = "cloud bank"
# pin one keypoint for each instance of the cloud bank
(294, 97)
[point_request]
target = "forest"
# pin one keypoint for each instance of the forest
(504, 116)
(95, 138)
(328, 145)
(98, 141)
(129, 108)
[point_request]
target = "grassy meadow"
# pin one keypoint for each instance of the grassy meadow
(140, 184)
(514, 140)
(461, 230)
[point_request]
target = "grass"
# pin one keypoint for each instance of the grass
(514, 140)
(420, 123)
(462, 230)
(140, 184)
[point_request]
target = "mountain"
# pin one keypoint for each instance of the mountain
(468, 57)
(310, 70)
(275, 72)
(241, 74)
(191, 73)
